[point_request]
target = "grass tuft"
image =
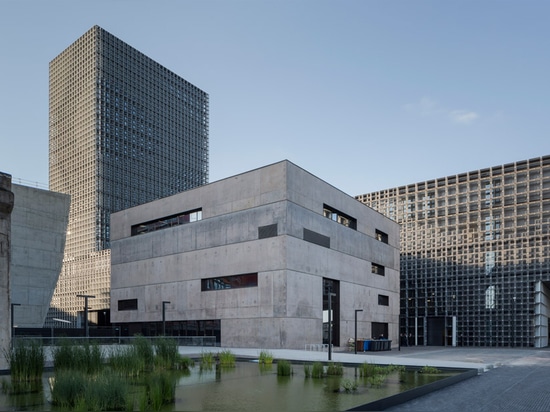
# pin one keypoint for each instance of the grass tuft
(284, 368)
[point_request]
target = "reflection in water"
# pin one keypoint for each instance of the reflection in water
(252, 387)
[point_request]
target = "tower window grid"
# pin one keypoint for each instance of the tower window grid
(475, 246)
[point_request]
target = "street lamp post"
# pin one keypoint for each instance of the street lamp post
(164, 302)
(86, 311)
(513, 342)
(355, 341)
(12, 323)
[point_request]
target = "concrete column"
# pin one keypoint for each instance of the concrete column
(6, 206)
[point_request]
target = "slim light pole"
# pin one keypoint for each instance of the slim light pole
(355, 341)
(514, 323)
(164, 302)
(86, 311)
(12, 323)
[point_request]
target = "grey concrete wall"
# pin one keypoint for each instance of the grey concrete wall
(39, 225)
(6, 207)
(285, 310)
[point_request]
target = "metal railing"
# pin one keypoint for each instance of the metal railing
(115, 340)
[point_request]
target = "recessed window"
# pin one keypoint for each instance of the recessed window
(381, 236)
(377, 269)
(337, 216)
(127, 304)
(317, 238)
(383, 300)
(267, 231)
(166, 222)
(247, 280)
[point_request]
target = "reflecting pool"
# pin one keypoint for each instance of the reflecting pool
(251, 387)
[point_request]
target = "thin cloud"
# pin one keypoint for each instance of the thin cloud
(427, 106)
(463, 116)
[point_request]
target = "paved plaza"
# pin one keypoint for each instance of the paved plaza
(508, 379)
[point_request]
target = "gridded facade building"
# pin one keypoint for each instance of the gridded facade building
(123, 131)
(475, 248)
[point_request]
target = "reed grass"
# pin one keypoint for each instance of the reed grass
(207, 360)
(335, 369)
(226, 358)
(26, 362)
(317, 370)
(369, 369)
(126, 362)
(349, 385)
(284, 368)
(429, 369)
(144, 349)
(166, 353)
(266, 357)
(77, 390)
(86, 357)
(160, 390)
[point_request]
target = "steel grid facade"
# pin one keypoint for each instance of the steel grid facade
(475, 253)
(123, 131)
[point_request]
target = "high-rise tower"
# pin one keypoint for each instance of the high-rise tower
(123, 131)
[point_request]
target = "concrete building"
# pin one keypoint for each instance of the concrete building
(39, 226)
(6, 207)
(475, 247)
(252, 260)
(123, 130)
(33, 225)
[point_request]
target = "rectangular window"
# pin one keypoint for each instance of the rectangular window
(267, 231)
(377, 269)
(247, 280)
(339, 217)
(383, 300)
(127, 304)
(317, 238)
(166, 222)
(381, 236)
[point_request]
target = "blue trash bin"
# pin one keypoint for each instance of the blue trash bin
(366, 345)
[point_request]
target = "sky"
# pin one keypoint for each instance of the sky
(366, 95)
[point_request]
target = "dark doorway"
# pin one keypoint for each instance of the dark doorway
(379, 330)
(436, 331)
(331, 287)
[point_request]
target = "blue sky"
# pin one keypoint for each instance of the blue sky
(366, 95)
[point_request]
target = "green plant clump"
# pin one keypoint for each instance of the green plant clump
(79, 391)
(227, 358)
(166, 353)
(284, 368)
(144, 349)
(429, 369)
(368, 369)
(160, 390)
(376, 380)
(86, 357)
(317, 370)
(26, 361)
(126, 362)
(335, 369)
(207, 360)
(349, 385)
(266, 358)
